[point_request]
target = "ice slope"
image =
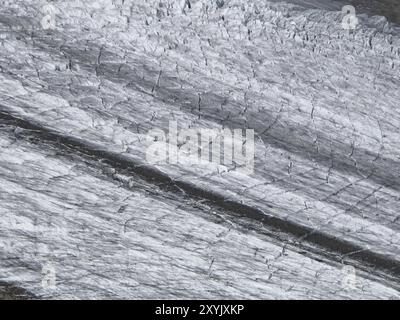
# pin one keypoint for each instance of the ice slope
(322, 101)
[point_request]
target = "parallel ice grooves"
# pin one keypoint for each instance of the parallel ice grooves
(340, 248)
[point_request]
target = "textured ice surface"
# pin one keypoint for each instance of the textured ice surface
(323, 103)
(105, 240)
